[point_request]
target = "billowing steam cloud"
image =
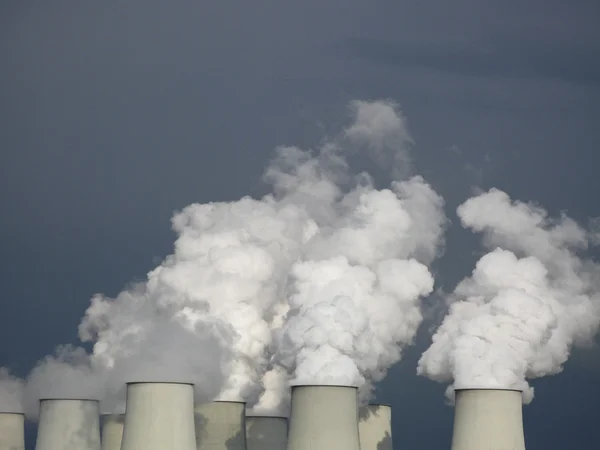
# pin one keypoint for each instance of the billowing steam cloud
(353, 291)
(316, 282)
(526, 304)
(146, 343)
(11, 392)
(354, 294)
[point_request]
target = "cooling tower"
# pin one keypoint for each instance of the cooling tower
(266, 433)
(112, 431)
(488, 419)
(375, 427)
(221, 426)
(159, 416)
(324, 417)
(12, 431)
(68, 424)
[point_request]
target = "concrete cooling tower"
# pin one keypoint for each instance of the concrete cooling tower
(112, 431)
(220, 425)
(488, 419)
(159, 416)
(266, 433)
(375, 427)
(67, 424)
(12, 431)
(324, 417)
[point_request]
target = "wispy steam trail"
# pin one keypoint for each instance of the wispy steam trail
(69, 374)
(11, 392)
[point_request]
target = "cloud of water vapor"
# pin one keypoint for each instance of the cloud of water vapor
(353, 292)
(11, 392)
(318, 281)
(528, 301)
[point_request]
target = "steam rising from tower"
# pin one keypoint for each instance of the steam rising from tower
(11, 392)
(526, 304)
(67, 375)
(318, 284)
(318, 281)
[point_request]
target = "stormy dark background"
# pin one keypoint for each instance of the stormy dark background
(113, 114)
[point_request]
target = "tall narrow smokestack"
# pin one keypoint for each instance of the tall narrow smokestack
(68, 424)
(266, 433)
(221, 425)
(375, 427)
(112, 431)
(488, 419)
(12, 432)
(159, 416)
(324, 417)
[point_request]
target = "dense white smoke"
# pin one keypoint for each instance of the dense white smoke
(11, 392)
(317, 282)
(526, 304)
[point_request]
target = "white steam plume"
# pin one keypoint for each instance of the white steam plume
(319, 281)
(354, 291)
(526, 304)
(11, 392)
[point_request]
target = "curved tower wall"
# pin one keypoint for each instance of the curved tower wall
(112, 431)
(323, 417)
(68, 424)
(12, 431)
(375, 427)
(220, 425)
(266, 433)
(159, 416)
(488, 419)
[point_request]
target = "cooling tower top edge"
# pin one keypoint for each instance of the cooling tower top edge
(324, 385)
(258, 416)
(160, 382)
(487, 389)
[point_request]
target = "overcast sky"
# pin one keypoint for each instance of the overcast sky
(115, 114)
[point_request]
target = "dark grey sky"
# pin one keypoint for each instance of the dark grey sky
(114, 114)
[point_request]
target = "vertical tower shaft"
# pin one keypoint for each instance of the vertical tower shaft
(159, 416)
(68, 424)
(375, 427)
(266, 433)
(324, 417)
(12, 431)
(220, 425)
(112, 431)
(488, 419)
